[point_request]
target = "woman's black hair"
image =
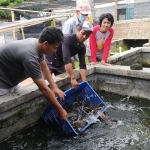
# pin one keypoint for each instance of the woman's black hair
(108, 16)
(51, 35)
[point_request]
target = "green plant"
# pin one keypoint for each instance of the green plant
(2, 13)
(5, 14)
(10, 2)
(15, 2)
(123, 48)
(4, 2)
(77, 63)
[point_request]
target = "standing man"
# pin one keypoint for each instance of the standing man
(22, 59)
(81, 14)
(72, 45)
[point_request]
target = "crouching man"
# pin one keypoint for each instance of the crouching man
(22, 59)
(73, 44)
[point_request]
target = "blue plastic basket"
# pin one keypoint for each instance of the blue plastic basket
(84, 92)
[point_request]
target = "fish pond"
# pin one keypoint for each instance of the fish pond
(129, 130)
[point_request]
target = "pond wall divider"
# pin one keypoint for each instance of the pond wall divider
(19, 110)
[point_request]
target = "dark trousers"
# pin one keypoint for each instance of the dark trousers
(56, 70)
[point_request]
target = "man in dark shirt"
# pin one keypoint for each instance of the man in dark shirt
(72, 45)
(22, 59)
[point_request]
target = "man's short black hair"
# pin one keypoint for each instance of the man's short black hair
(108, 16)
(51, 35)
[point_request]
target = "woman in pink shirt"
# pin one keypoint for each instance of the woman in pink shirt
(100, 40)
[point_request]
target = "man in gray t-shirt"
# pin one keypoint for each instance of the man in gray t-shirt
(18, 61)
(22, 59)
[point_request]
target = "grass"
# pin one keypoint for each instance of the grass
(124, 48)
(77, 63)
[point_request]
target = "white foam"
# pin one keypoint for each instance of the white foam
(92, 119)
(124, 107)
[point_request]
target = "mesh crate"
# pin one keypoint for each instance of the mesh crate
(85, 93)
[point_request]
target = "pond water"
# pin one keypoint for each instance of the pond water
(129, 130)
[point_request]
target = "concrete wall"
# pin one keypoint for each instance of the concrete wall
(19, 110)
(121, 85)
(146, 45)
(24, 108)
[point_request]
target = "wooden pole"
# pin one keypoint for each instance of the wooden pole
(22, 10)
(22, 31)
(2, 39)
(53, 20)
(149, 34)
(116, 10)
(149, 38)
(13, 19)
(27, 23)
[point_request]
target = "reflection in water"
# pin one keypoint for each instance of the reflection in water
(129, 129)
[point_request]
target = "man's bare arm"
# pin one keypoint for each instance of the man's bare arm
(83, 74)
(69, 69)
(49, 94)
(48, 76)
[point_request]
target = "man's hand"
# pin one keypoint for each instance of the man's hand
(92, 63)
(63, 114)
(50, 95)
(74, 83)
(104, 63)
(58, 92)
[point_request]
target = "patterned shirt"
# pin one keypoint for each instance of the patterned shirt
(99, 43)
